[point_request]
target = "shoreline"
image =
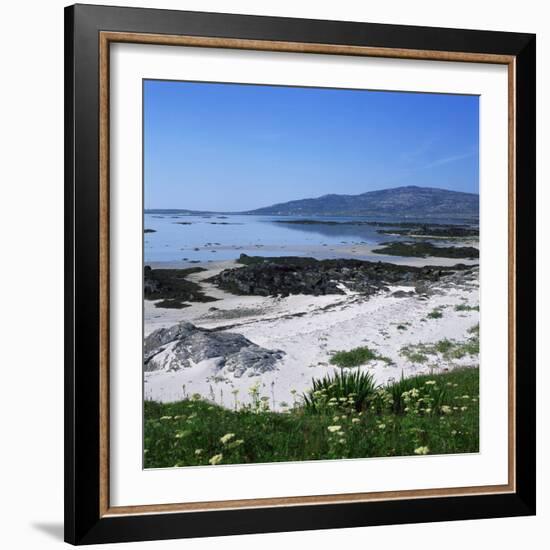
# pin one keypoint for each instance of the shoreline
(309, 329)
(352, 251)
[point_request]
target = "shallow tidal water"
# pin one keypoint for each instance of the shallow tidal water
(197, 239)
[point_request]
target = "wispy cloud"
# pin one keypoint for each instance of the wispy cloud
(422, 149)
(405, 174)
(447, 160)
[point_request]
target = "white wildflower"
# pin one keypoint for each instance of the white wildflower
(227, 437)
(421, 451)
(216, 459)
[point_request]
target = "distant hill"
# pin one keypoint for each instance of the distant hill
(404, 201)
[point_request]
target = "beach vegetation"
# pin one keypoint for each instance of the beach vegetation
(446, 349)
(430, 414)
(352, 389)
(436, 313)
(466, 307)
(356, 357)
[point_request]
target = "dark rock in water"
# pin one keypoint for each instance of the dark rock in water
(450, 231)
(183, 223)
(420, 224)
(184, 345)
(149, 230)
(172, 286)
(285, 275)
(400, 228)
(424, 249)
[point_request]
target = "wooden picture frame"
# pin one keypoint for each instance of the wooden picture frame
(89, 32)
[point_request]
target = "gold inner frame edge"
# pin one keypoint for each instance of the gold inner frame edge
(105, 39)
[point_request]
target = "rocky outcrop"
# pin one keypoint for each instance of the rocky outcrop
(439, 231)
(173, 287)
(294, 275)
(424, 249)
(184, 345)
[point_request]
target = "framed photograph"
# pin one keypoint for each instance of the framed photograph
(300, 274)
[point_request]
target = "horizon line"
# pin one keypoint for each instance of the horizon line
(311, 198)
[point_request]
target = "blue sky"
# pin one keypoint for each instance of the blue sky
(236, 147)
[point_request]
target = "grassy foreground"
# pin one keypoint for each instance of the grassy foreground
(434, 414)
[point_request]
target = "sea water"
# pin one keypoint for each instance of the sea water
(192, 239)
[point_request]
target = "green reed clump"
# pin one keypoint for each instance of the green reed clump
(421, 392)
(353, 389)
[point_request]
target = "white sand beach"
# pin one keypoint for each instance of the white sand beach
(309, 329)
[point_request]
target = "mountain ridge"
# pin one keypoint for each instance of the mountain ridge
(407, 200)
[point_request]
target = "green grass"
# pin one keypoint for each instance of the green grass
(435, 314)
(356, 357)
(466, 307)
(416, 357)
(427, 414)
(447, 349)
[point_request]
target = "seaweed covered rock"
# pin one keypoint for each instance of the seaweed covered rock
(173, 287)
(424, 249)
(262, 276)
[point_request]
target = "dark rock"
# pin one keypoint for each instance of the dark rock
(402, 294)
(264, 276)
(172, 286)
(171, 304)
(184, 345)
(434, 230)
(424, 249)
